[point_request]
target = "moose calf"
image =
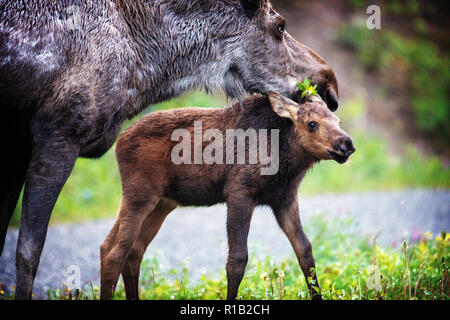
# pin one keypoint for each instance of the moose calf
(154, 183)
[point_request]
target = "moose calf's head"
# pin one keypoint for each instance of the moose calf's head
(267, 58)
(316, 128)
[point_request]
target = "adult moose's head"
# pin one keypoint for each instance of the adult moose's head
(240, 46)
(268, 58)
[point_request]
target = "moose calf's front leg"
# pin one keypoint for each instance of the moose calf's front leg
(238, 224)
(289, 220)
(49, 168)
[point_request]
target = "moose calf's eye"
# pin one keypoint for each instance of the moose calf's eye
(281, 28)
(312, 126)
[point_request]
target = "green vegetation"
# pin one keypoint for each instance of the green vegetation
(425, 70)
(348, 268)
(93, 190)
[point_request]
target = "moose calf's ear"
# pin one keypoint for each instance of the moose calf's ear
(251, 6)
(284, 107)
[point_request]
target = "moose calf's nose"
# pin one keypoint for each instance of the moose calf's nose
(344, 145)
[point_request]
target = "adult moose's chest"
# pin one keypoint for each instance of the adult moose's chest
(107, 90)
(100, 123)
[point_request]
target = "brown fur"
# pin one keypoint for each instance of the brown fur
(153, 185)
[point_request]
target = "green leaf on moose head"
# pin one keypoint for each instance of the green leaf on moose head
(307, 83)
(306, 88)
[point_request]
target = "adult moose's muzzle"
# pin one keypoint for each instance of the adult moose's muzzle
(307, 63)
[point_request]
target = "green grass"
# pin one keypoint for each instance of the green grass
(93, 190)
(348, 268)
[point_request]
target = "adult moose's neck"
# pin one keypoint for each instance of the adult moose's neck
(173, 47)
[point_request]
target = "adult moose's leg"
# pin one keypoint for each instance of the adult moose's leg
(149, 229)
(51, 163)
(12, 176)
(289, 220)
(238, 224)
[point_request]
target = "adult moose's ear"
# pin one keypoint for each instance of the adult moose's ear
(284, 107)
(251, 6)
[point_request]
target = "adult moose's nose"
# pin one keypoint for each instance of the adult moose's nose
(344, 145)
(332, 100)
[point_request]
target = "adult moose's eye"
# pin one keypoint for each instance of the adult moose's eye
(312, 126)
(281, 28)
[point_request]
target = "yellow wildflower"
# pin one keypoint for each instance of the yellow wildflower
(423, 247)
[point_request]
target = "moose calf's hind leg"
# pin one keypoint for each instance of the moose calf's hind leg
(149, 229)
(238, 224)
(124, 234)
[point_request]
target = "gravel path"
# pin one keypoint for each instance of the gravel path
(196, 236)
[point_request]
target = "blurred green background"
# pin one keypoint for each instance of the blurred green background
(394, 91)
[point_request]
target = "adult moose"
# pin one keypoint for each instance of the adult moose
(72, 71)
